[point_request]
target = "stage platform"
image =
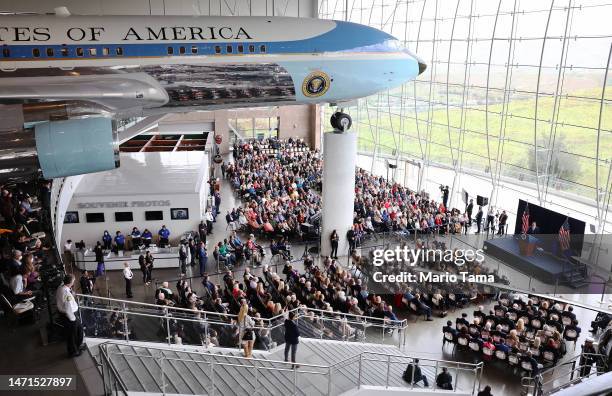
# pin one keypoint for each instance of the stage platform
(543, 266)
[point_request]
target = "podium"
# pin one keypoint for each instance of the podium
(527, 245)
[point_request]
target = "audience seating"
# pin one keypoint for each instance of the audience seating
(541, 337)
(23, 218)
(19, 311)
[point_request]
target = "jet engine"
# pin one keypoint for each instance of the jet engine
(58, 148)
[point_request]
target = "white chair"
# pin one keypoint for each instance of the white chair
(571, 335)
(501, 355)
(16, 312)
(549, 357)
(525, 365)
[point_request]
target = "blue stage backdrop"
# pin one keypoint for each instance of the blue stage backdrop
(549, 223)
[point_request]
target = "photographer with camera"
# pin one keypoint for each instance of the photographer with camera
(445, 191)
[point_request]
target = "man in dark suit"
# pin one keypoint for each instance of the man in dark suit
(413, 374)
(479, 216)
(534, 229)
(503, 218)
(444, 380)
(469, 210)
(292, 338)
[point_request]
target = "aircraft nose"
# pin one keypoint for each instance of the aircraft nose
(422, 67)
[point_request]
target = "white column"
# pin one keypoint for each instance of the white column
(339, 161)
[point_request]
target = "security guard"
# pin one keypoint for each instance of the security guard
(68, 308)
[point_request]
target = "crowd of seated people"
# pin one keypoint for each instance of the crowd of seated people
(329, 288)
(525, 333)
(233, 250)
(22, 253)
(423, 297)
(277, 187)
(383, 206)
(101, 324)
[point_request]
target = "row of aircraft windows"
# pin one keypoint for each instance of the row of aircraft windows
(229, 49)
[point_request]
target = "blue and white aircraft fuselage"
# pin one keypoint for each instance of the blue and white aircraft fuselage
(164, 64)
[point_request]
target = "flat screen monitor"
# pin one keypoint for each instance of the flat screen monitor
(94, 217)
(151, 215)
(124, 216)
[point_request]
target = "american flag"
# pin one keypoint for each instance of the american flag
(564, 235)
(525, 219)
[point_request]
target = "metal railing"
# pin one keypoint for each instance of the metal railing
(571, 372)
(104, 317)
(337, 377)
(111, 380)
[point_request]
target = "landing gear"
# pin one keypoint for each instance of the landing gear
(341, 121)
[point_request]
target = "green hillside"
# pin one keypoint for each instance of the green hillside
(576, 135)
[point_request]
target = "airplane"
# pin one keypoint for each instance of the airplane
(126, 66)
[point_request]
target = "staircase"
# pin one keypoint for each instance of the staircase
(580, 369)
(326, 368)
(576, 277)
(332, 355)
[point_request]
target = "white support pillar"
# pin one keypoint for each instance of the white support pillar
(339, 161)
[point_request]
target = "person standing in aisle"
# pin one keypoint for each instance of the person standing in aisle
(146, 277)
(292, 339)
(209, 221)
(445, 191)
(202, 258)
(68, 308)
(87, 283)
(490, 228)
(192, 252)
(334, 238)
(469, 210)
(503, 218)
(479, 217)
(149, 259)
(217, 204)
(68, 256)
(99, 252)
(128, 275)
(183, 258)
(202, 231)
